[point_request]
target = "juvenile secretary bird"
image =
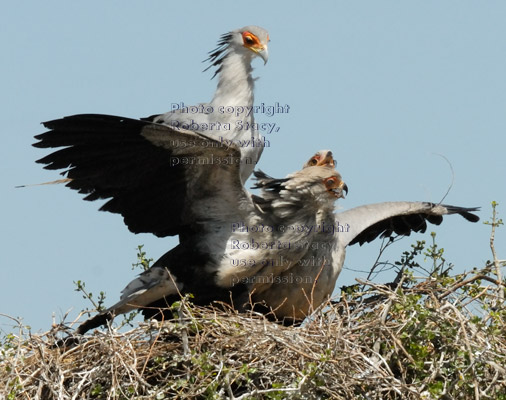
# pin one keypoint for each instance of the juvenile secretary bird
(216, 260)
(296, 292)
(291, 276)
(231, 236)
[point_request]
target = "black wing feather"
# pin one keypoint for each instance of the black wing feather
(405, 224)
(129, 162)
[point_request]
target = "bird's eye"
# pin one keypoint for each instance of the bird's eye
(330, 182)
(313, 161)
(249, 39)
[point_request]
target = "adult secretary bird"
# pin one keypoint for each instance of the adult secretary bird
(102, 147)
(234, 92)
(232, 236)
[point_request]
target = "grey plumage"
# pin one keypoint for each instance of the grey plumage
(220, 257)
(295, 293)
(229, 115)
(167, 179)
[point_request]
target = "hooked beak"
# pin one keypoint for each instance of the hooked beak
(339, 191)
(345, 189)
(327, 160)
(263, 52)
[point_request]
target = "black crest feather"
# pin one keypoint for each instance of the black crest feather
(217, 55)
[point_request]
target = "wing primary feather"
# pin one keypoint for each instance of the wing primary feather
(417, 222)
(465, 212)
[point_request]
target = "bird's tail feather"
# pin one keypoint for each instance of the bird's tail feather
(95, 322)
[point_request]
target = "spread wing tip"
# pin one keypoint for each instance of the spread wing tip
(466, 212)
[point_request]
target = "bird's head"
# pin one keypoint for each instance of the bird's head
(321, 158)
(335, 186)
(254, 39)
(323, 184)
(251, 41)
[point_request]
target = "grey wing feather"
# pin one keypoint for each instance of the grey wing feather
(365, 223)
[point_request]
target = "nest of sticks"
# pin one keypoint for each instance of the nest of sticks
(430, 338)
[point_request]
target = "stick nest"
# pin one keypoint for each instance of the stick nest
(427, 338)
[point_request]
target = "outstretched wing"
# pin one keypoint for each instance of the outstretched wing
(365, 223)
(161, 180)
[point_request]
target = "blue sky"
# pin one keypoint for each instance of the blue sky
(393, 88)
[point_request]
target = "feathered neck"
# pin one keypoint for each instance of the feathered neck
(235, 84)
